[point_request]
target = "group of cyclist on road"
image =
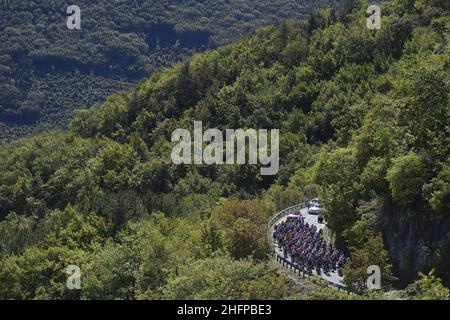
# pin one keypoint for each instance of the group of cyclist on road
(307, 247)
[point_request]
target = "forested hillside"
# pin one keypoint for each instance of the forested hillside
(47, 70)
(364, 122)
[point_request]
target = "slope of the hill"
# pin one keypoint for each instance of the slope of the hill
(364, 121)
(46, 70)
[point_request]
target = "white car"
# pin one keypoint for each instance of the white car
(315, 210)
(315, 203)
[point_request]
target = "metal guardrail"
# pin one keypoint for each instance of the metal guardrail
(286, 263)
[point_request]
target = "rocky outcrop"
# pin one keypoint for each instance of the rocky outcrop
(413, 239)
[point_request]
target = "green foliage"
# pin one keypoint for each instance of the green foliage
(39, 274)
(243, 223)
(16, 234)
(428, 287)
(440, 199)
(368, 224)
(373, 253)
(336, 172)
(71, 229)
(47, 71)
(225, 279)
(363, 117)
(288, 197)
(405, 179)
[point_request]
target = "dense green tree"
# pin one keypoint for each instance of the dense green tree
(39, 274)
(336, 173)
(441, 189)
(428, 287)
(16, 234)
(223, 278)
(405, 179)
(372, 254)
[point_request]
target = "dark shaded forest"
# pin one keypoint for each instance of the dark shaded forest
(47, 71)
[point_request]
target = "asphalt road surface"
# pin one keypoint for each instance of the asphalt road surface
(333, 278)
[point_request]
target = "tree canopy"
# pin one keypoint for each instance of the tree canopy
(364, 120)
